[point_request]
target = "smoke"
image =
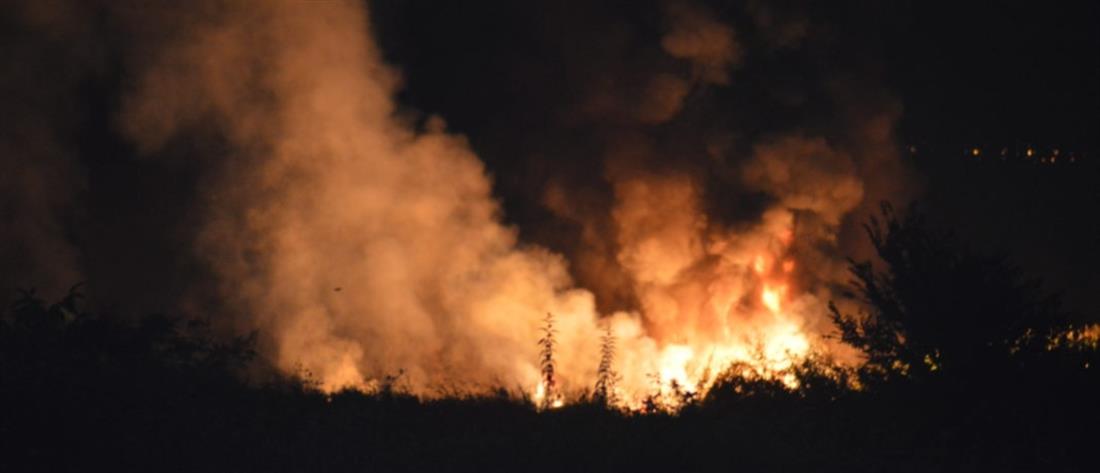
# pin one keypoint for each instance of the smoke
(695, 36)
(726, 243)
(363, 241)
(359, 244)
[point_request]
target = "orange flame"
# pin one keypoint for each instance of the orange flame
(772, 297)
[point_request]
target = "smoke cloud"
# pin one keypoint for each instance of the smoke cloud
(359, 244)
(362, 240)
(695, 36)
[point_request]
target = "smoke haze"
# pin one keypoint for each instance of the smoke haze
(361, 238)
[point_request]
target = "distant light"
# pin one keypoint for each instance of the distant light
(1030, 152)
(976, 152)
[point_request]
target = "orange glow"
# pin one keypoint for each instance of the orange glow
(785, 236)
(539, 398)
(788, 266)
(759, 265)
(772, 297)
(403, 218)
(673, 367)
(1086, 337)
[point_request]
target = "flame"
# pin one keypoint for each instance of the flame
(709, 301)
(772, 296)
(540, 397)
(744, 297)
(673, 367)
(540, 393)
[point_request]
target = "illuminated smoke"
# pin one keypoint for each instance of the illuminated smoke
(362, 244)
(708, 291)
(708, 44)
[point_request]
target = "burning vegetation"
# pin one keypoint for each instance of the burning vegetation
(713, 269)
(318, 181)
(315, 178)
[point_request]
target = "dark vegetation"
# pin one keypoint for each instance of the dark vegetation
(966, 371)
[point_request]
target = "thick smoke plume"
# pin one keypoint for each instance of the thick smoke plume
(362, 242)
(362, 246)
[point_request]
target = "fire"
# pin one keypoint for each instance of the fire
(673, 371)
(771, 297)
(710, 302)
(785, 344)
(741, 312)
(540, 397)
(329, 188)
(759, 264)
(540, 393)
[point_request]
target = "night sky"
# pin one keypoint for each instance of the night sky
(965, 73)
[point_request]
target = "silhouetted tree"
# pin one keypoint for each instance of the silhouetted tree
(938, 305)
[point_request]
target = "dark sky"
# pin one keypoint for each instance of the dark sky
(1013, 71)
(969, 71)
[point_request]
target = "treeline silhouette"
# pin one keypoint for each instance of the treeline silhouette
(970, 367)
